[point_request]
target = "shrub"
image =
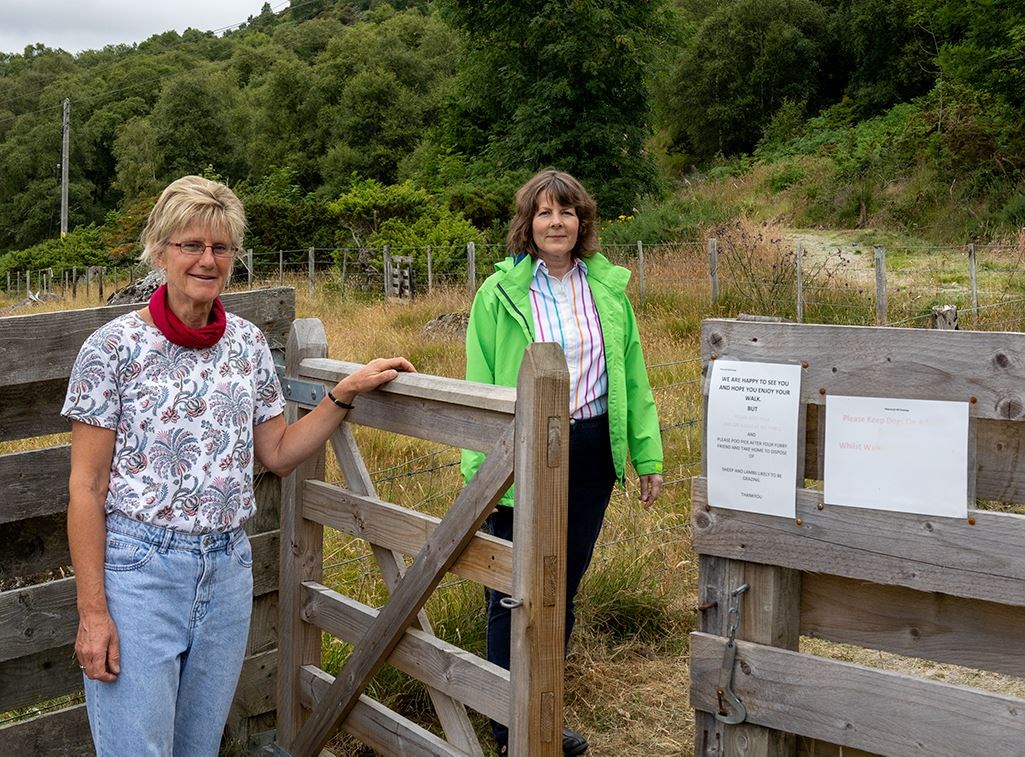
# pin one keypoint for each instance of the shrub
(81, 247)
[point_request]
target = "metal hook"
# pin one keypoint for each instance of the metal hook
(731, 709)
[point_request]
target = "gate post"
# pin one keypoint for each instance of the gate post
(301, 550)
(539, 567)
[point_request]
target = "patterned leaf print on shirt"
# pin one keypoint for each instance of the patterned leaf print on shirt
(220, 501)
(174, 453)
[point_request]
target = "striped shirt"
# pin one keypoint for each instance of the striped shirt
(564, 313)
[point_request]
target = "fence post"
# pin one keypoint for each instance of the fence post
(345, 265)
(972, 282)
(281, 268)
(74, 281)
(249, 265)
(539, 567)
(799, 283)
(640, 269)
(301, 548)
(28, 282)
(880, 264)
(8, 282)
(430, 271)
(386, 265)
(313, 266)
(102, 271)
(471, 266)
(713, 268)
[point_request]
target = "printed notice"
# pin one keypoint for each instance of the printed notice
(910, 456)
(751, 437)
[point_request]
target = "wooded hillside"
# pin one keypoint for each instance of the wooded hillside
(343, 122)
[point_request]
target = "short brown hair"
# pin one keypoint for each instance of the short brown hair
(566, 190)
(187, 201)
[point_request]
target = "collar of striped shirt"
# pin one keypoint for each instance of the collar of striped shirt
(564, 312)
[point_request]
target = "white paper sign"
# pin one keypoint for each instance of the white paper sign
(910, 456)
(751, 437)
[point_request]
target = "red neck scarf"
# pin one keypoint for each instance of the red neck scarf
(177, 332)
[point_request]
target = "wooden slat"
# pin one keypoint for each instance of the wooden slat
(375, 725)
(255, 692)
(34, 546)
(932, 626)
(458, 413)
(981, 561)
(851, 705)
(478, 683)
(465, 517)
(64, 733)
(302, 550)
(538, 626)
(28, 410)
(421, 386)
(263, 627)
(35, 483)
(44, 346)
(38, 677)
(885, 362)
(37, 618)
(43, 616)
(486, 560)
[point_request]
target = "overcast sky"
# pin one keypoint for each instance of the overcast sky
(77, 25)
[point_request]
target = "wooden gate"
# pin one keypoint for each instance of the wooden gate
(941, 589)
(526, 428)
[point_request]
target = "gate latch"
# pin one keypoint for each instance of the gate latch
(731, 709)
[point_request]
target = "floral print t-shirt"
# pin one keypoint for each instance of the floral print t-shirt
(183, 417)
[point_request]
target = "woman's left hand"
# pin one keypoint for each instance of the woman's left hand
(370, 376)
(651, 487)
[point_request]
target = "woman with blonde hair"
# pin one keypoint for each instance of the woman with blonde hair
(169, 406)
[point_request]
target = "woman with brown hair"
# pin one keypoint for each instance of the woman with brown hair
(557, 287)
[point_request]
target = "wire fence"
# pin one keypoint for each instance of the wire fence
(897, 287)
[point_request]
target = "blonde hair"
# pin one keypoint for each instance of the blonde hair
(192, 201)
(564, 189)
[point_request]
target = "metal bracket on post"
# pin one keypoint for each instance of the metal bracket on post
(307, 393)
(724, 691)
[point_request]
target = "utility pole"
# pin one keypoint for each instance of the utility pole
(65, 149)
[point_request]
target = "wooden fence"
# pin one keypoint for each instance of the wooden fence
(38, 616)
(529, 425)
(940, 589)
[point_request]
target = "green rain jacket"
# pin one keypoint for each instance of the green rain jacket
(502, 325)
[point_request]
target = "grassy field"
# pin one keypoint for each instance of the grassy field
(627, 668)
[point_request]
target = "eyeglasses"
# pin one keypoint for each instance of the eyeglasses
(198, 248)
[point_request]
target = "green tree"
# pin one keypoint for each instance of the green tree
(558, 83)
(137, 158)
(744, 62)
(193, 127)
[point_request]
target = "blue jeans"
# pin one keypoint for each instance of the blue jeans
(591, 478)
(181, 604)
